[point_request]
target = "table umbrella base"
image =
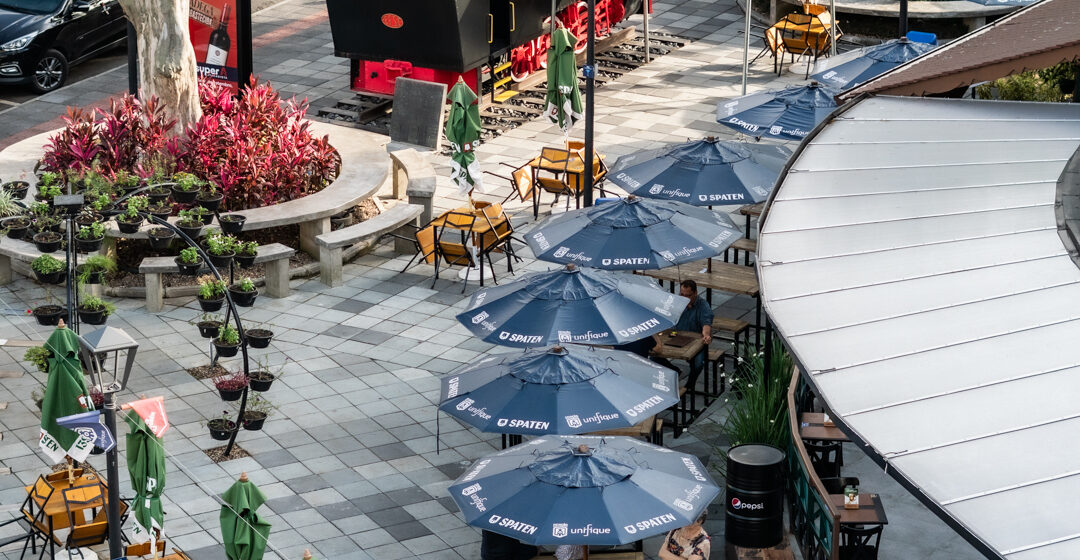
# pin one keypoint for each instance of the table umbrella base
(473, 274)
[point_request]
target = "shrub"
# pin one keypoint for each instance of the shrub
(47, 264)
(229, 335)
(211, 288)
(94, 303)
(190, 255)
(1026, 86)
(38, 356)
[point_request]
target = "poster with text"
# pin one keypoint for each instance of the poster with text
(212, 24)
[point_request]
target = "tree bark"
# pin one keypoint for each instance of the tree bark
(167, 67)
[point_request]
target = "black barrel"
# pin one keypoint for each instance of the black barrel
(755, 496)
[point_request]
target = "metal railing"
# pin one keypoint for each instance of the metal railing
(814, 521)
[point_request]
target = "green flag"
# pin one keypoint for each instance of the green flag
(146, 467)
(463, 128)
(242, 531)
(563, 95)
(65, 394)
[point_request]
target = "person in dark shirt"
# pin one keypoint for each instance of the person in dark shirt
(494, 546)
(697, 317)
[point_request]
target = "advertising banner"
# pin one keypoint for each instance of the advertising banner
(213, 28)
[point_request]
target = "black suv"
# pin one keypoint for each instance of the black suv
(40, 39)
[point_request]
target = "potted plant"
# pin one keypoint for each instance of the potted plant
(231, 386)
(257, 410)
(205, 215)
(232, 224)
(39, 356)
(211, 293)
(209, 325)
(89, 237)
(48, 241)
(46, 192)
(94, 310)
(48, 315)
(160, 238)
(221, 427)
(190, 222)
(94, 269)
(244, 292)
(49, 269)
(189, 261)
(130, 219)
(158, 193)
(16, 226)
(185, 187)
(209, 197)
(221, 249)
(17, 189)
(103, 204)
(87, 217)
(9, 205)
(262, 377)
(160, 210)
(227, 341)
(246, 251)
(126, 182)
(258, 337)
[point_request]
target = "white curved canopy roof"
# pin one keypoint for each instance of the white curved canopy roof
(911, 260)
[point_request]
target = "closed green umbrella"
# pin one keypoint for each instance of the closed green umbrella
(65, 394)
(462, 131)
(563, 95)
(243, 532)
(146, 465)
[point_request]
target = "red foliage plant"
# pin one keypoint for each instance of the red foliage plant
(257, 148)
(231, 382)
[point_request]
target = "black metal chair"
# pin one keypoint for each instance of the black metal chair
(860, 542)
(836, 485)
(826, 457)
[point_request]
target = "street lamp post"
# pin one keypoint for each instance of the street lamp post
(590, 81)
(96, 348)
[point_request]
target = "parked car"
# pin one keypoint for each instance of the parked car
(41, 39)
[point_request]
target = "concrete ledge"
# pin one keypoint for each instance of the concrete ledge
(414, 176)
(331, 244)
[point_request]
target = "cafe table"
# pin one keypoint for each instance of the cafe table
(871, 511)
(812, 426)
(56, 509)
(684, 346)
(574, 167)
(725, 277)
(483, 229)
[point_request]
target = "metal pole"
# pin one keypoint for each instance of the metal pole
(746, 47)
(551, 30)
(590, 80)
(832, 28)
(645, 14)
(133, 60)
(903, 17)
(116, 546)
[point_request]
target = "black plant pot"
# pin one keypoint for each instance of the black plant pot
(57, 277)
(211, 203)
(160, 238)
(48, 241)
(158, 194)
(209, 329)
(91, 316)
(48, 315)
(211, 305)
(220, 261)
(233, 395)
(96, 277)
(108, 211)
(128, 226)
(261, 385)
(88, 245)
(160, 212)
(16, 226)
(184, 197)
(207, 218)
(254, 420)
(88, 219)
(17, 189)
(232, 224)
(258, 338)
(245, 261)
(243, 299)
(226, 350)
(192, 232)
(189, 269)
(221, 430)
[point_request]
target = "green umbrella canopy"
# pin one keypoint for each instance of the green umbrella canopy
(242, 531)
(463, 128)
(563, 95)
(65, 394)
(146, 465)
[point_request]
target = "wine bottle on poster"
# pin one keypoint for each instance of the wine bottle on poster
(217, 52)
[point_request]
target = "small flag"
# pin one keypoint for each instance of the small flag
(88, 425)
(152, 411)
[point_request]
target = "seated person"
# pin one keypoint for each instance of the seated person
(697, 317)
(689, 543)
(494, 546)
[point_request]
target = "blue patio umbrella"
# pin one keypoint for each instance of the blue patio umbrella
(1005, 2)
(855, 67)
(702, 172)
(571, 304)
(633, 234)
(788, 114)
(559, 390)
(551, 491)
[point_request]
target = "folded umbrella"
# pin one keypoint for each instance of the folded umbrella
(242, 530)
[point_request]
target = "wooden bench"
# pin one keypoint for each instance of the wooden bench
(744, 244)
(275, 256)
(414, 176)
(331, 244)
(725, 328)
(650, 429)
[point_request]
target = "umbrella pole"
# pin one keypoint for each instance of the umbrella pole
(832, 28)
(586, 556)
(590, 80)
(746, 47)
(551, 29)
(645, 14)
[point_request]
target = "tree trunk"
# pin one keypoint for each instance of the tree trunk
(167, 67)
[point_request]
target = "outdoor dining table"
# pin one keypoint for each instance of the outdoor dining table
(56, 508)
(574, 169)
(812, 426)
(725, 277)
(871, 511)
(683, 345)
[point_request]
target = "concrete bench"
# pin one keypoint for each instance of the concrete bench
(414, 176)
(16, 254)
(331, 244)
(275, 256)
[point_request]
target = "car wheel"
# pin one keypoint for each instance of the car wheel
(50, 72)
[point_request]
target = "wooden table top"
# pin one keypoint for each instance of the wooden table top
(637, 430)
(812, 426)
(575, 164)
(480, 225)
(725, 277)
(870, 512)
(687, 352)
(752, 209)
(56, 506)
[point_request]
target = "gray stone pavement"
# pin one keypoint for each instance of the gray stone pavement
(349, 460)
